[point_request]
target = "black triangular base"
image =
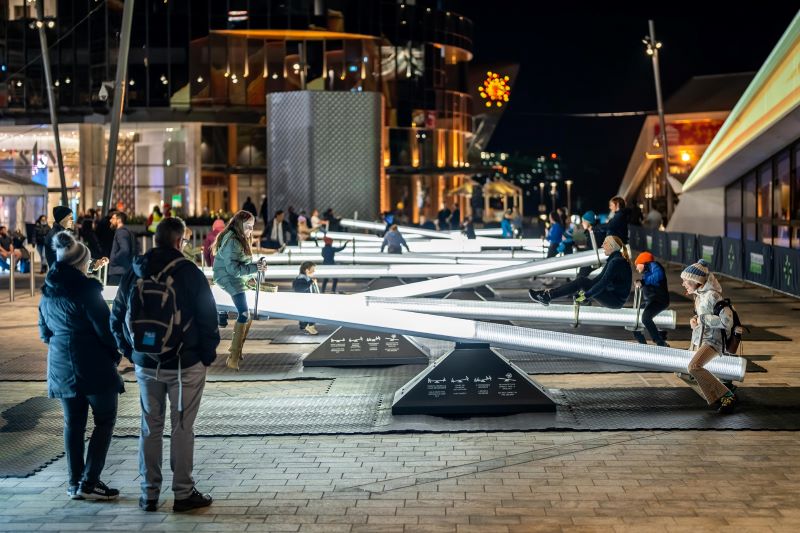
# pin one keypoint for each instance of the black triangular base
(358, 347)
(473, 379)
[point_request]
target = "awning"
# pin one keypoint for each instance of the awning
(14, 185)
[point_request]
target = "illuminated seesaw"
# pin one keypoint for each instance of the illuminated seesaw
(346, 311)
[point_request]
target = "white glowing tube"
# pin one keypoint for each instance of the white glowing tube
(558, 314)
(410, 230)
(285, 272)
(449, 283)
(384, 259)
(347, 311)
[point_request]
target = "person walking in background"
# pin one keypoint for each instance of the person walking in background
(153, 220)
(328, 258)
(6, 244)
(555, 234)
(610, 289)
(656, 295)
(123, 250)
(708, 330)
(618, 223)
(63, 221)
(208, 242)
(507, 226)
(82, 362)
(468, 229)
(455, 217)
(305, 282)
(250, 207)
(41, 229)
(263, 211)
(179, 373)
(233, 266)
(394, 240)
(105, 233)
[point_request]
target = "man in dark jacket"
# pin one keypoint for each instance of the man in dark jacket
(180, 372)
(277, 233)
(122, 251)
(329, 258)
(63, 221)
(610, 289)
(618, 224)
(82, 361)
(105, 233)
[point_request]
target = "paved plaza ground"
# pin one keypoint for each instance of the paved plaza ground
(281, 477)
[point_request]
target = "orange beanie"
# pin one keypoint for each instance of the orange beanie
(644, 257)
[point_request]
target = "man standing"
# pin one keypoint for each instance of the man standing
(277, 233)
(181, 373)
(250, 207)
(63, 221)
(123, 249)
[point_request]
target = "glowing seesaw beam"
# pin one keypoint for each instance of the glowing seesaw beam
(385, 259)
(288, 272)
(349, 312)
(530, 269)
(557, 314)
(409, 230)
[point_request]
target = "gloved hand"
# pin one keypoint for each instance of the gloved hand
(581, 299)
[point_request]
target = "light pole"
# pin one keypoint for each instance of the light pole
(653, 46)
(553, 193)
(541, 196)
(569, 196)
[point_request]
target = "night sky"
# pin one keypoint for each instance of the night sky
(587, 60)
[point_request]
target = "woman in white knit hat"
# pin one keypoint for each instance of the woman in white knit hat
(82, 361)
(707, 333)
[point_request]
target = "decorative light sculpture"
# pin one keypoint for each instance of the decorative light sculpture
(495, 89)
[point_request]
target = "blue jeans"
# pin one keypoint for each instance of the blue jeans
(76, 413)
(240, 301)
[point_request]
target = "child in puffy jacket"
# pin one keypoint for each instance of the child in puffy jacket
(306, 282)
(655, 294)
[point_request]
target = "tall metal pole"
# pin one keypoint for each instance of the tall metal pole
(51, 97)
(120, 88)
(655, 45)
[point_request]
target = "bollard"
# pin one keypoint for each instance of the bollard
(104, 275)
(12, 263)
(144, 244)
(203, 256)
(33, 272)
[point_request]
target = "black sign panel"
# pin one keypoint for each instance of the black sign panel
(473, 379)
(710, 249)
(638, 238)
(731, 257)
(758, 262)
(661, 245)
(675, 247)
(786, 270)
(358, 347)
(690, 253)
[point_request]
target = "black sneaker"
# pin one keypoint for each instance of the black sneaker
(542, 297)
(72, 492)
(727, 404)
(195, 500)
(148, 506)
(97, 491)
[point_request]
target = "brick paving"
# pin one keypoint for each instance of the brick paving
(453, 482)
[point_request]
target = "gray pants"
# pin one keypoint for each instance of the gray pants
(153, 395)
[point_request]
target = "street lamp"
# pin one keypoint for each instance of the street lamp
(569, 196)
(541, 195)
(653, 46)
(553, 193)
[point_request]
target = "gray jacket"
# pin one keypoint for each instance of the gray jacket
(710, 326)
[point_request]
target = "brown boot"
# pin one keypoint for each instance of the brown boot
(246, 333)
(237, 343)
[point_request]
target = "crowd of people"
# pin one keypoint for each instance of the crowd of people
(164, 320)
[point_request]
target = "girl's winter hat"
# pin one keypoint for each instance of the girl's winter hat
(218, 225)
(327, 241)
(697, 272)
(644, 258)
(69, 251)
(614, 243)
(589, 217)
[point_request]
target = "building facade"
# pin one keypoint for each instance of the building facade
(194, 133)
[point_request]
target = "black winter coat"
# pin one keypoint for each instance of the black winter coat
(618, 226)
(123, 250)
(194, 301)
(82, 356)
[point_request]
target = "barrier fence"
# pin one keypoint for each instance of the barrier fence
(771, 266)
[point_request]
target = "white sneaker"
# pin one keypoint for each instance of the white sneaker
(311, 330)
